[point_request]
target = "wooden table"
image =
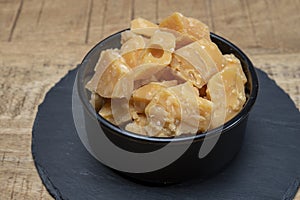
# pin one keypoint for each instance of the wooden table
(40, 40)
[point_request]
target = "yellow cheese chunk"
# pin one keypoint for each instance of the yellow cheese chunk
(127, 35)
(135, 43)
(107, 57)
(217, 94)
(177, 110)
(124, 85)
(189, 118)
(138, 125)
(205, 108)
(133, 58)
(197, 29)
(110, 77)
(116, 111)
(143, 27)
(163, 112)
(235, 92)
(157, 56)
(160, 49)
(168, 74)
(187, 71)
(132, 50)
(214, 52)
(233, 95)
(162, 40)
(195, 64)
(232, 61)
(106, 112)
(143, 95)
(189, 29)
(96, 101)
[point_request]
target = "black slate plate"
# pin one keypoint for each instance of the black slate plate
(267, 167)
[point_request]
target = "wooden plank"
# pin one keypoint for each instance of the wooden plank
(261, 21)
(96, 21)
(8, 16)
(117, 16)
(20, 181)
(41, 54)
(26, 74)
(284, 69)
(139, 10)
(276, 25)
(105, 20)
(232, 22)
(9, 141)
(53, 21)
(286, 22)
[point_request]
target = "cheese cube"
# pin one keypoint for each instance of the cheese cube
(194, 63)
(143, 27)
(188, 29)
(106, 112)
(232, 61)
(110, 77)
(143, 95)
(177, 110)
(227, 92)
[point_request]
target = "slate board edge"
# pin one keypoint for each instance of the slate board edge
(55, 193)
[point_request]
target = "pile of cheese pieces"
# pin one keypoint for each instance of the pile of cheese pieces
(167, 80)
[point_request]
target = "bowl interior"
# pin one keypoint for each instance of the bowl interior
(86, 72)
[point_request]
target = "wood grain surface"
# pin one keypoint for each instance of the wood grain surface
(40, 40)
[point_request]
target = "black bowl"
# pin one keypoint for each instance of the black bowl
(188, 164)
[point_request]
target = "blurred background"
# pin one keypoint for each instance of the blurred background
(40, 40)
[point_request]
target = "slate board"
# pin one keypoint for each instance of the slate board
(267, 167)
